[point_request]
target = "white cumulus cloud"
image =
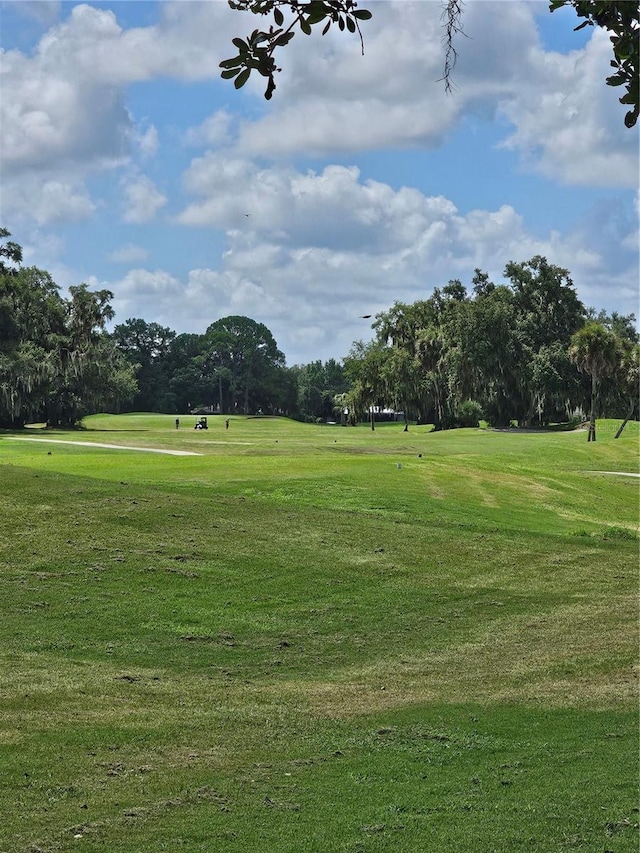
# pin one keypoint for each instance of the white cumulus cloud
(568, 124)
(143, 200)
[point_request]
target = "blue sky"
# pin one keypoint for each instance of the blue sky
(128, 164)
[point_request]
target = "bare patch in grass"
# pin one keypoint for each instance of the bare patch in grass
(436, 493)
(9, 737)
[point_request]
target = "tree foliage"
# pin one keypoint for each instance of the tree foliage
(235, 366)
(365, 366)
(11, 252)
(244, 355)
(318, 386)
(57, 363)
(628, 381)
(501, 353)
(146, 346)
(596, 351)
(621, 19)
(256, 52)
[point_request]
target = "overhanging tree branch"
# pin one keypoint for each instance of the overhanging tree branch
(256, 53)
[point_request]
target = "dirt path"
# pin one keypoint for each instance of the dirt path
(108, 446)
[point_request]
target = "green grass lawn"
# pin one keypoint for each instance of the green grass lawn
(315, 639)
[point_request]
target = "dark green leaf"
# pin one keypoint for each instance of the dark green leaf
(304, 26)
(242, 46)
(326, 29)
(284, 39)
(315, 17)
(278, 17)
(317, 7)
(231, 63)
(230, 74)
(265, 65)
(341, 22)
(242, 78)
(351, 25)
(362, 14)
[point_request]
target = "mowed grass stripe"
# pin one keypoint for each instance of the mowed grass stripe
(306, 649)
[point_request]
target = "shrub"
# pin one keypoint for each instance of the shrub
(468, 414)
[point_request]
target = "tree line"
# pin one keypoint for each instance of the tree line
(59, 362)
(234, 367)
(527, 352)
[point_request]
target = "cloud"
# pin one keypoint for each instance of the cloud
(61, 202)
(311, 299)
(146, 293)
(128, 254)
(49, 201)
(568, 123)
(147, 141)
(143, 200)
(321, 249)
(178, 46)
(63, 110)
(288, 266)
(48, 119)
(38, 244)
(66, 104)
(215, 131)
(45, 12)
(332, 207)
(330, 98)
(565, 122)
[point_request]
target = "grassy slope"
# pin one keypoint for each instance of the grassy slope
(291, 643)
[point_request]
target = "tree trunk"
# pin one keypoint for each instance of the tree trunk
(592, 416)
(438, 407)
(527, 422)
(626, 420)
